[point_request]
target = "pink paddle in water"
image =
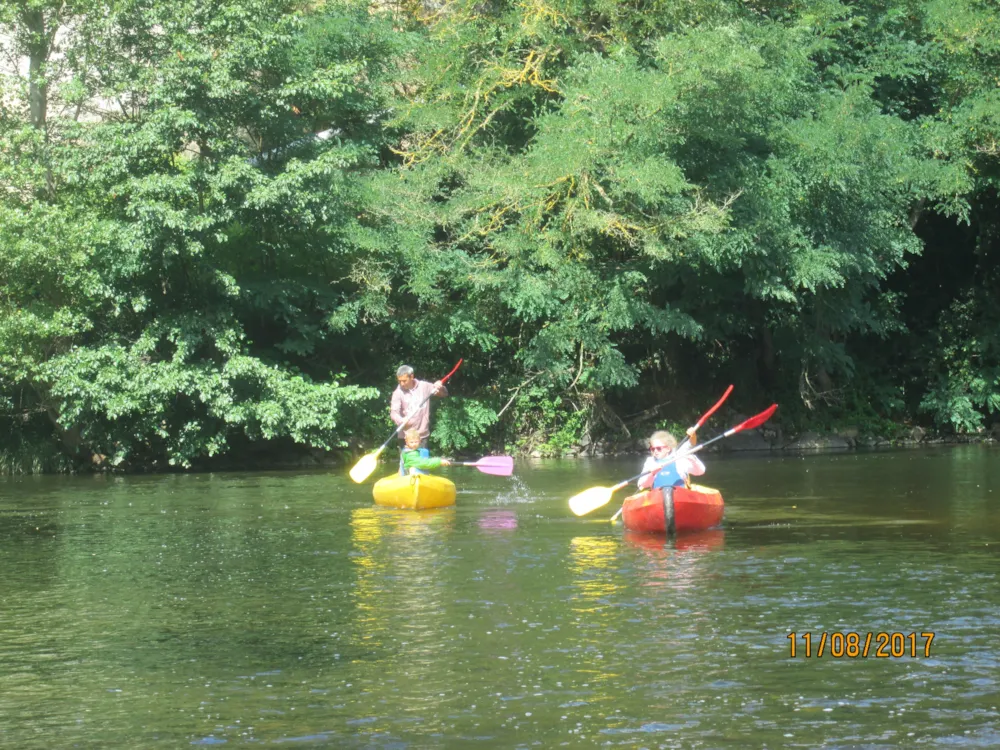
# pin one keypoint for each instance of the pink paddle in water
(501, 466)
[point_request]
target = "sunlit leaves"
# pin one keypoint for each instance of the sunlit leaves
(171, 261)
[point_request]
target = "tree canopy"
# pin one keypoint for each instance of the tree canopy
(223, 225)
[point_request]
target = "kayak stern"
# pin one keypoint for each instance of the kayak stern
(682, 509)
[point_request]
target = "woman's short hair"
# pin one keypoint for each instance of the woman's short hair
(664, 437)
(404, 370)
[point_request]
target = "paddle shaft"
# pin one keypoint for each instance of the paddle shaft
(681, 451)
(755, 421)
(704, 418)
(677, 455)
(416, 411)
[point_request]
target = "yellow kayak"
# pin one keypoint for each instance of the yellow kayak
(416, 492)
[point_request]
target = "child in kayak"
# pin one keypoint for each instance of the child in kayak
(674, 473)
(417, 460)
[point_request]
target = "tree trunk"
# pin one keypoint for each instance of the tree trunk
(824, 379)
(39, 44)
(766, 358)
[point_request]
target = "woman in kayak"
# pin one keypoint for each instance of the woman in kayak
(674, 473)
(417, 460)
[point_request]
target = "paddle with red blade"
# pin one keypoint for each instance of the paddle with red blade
(690, 432)
(501, 466)
(597, 497)
(754, 421)
(364, 468)
(704, 418)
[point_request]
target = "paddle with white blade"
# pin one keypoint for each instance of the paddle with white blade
(364, 468)
(597, 497)
(501, 466)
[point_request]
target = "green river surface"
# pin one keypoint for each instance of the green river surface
(286, 609)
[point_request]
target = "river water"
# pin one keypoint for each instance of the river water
(278, 608)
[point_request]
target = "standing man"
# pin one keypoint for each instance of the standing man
(408, 408)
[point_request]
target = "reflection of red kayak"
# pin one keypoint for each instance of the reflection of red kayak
(701, 541)
(657, 545)
(678, 510)
(691, 541)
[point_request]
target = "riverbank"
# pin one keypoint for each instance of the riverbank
(766, 439)
(775, 440)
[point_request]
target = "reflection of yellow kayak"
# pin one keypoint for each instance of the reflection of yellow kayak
(415, 492)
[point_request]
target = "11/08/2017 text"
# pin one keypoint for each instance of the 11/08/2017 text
(854, 645)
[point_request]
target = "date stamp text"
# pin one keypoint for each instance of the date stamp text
(860, 645)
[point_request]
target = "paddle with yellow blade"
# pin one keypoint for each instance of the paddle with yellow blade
(364, 468)
(682, 448)
(596, 497)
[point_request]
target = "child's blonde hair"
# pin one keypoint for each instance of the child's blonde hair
(664, 437)
(411, 433)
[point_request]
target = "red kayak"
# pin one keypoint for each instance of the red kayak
(678, 510)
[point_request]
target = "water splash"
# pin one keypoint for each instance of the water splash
(516, 493)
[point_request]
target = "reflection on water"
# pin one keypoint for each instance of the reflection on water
(398, 555)
(593, 565)
(401, 597)
(498, 520)
(696, 541)
(674, 562)
(285, 608)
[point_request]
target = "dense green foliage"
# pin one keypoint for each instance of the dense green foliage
(609, 210)
(167, 259)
